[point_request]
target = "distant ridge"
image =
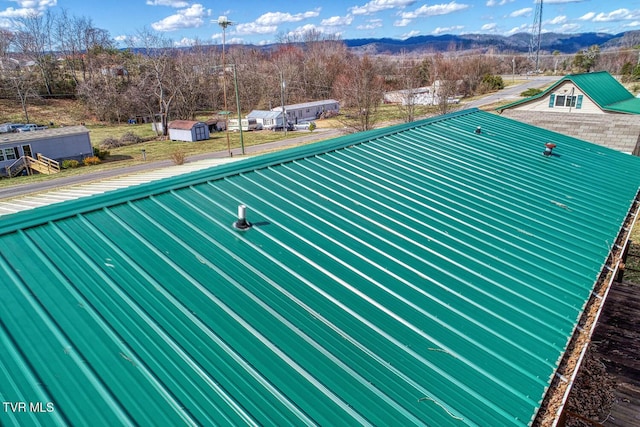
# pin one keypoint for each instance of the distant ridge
(517, 43)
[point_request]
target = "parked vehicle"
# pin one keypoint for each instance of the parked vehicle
(279, 127)
(10, 127)
(30, 127)
(304, 125)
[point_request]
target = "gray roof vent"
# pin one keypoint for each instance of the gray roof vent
(242, 223)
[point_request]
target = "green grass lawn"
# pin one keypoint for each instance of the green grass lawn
(155, 149)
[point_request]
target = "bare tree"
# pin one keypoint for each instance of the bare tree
(323, 60)
(360, 88)
(17, 79)
(78, 41)
(157, 67)
(409, 75)
(33, 40)
(445, 83)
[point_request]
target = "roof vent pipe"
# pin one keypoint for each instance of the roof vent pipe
(548, 148)
(242, 223)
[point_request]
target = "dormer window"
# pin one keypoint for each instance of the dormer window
(565, 101)
(572, 101)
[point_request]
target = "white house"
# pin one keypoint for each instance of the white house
(309, 110)
(590, 106)
(58, 144)
(188, 130)
(266, 119)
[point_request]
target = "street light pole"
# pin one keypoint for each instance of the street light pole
(284, 113)
(235, 81)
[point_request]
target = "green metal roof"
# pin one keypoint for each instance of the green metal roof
(420, 274)
(601, 87)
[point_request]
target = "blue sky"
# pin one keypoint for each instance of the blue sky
(261, 21)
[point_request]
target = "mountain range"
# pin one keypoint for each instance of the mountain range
(516, 43)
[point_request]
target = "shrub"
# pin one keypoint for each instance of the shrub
(110, 143)
(130, 138)
(70, 164)
(532, 91)
(492, 82)
(99, 153)
(312, 126)
(178, 157)
(93, 160)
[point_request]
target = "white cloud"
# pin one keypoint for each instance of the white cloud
(268, 23)
(520, 29)
(402, 23)
(587, 16)
(35, 4)
(521, 12)
(616, 15)
(185, 41)
(492, 3)
(170, 3)
(558, 20)
(561, 1)
(489, 27)
(372, 24)
(435, 10)
(380, 5)
(337, 21)
(447, 30)
(191, 17)
(253, 28)
(16, 13)
(25, 8)
(276, 18)
(410, 34)
(568, 28)
(299, 32)
(632, 24)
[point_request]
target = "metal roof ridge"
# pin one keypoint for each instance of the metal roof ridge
(49, 213)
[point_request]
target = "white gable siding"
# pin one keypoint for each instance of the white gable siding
(584, 104)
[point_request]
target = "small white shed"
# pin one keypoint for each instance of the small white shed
(188, 130)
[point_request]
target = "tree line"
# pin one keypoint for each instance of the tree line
(63, 55)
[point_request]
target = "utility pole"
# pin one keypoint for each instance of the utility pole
(285, 122)
(224, 23)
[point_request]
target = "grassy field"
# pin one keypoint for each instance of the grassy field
(156, 148)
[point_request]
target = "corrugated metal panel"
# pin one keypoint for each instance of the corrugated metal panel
(602, 87)
(422, 274)
(628, 106)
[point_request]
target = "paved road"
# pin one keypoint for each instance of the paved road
(57, 183)
(512, 93)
